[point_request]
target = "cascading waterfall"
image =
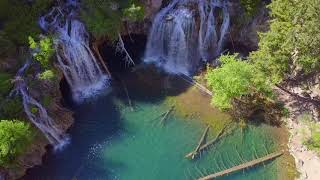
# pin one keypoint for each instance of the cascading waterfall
(75, 58)
(40, 118)
(178, 43)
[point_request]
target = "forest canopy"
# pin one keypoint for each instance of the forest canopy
(293, 41)
(288, 49)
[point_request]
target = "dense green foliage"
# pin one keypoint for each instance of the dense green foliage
(5, 83)
(43, 50)
(15, 136)
(20, 19)
(250, 6)
(233, 79)
(104, 18)
(291, 45)
(101, 19)
(293, 40)
(11, 108)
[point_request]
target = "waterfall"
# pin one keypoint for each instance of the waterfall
(75, 58)
(186, 32)
(40, 118)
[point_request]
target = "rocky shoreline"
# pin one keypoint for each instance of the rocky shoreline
(307, 161)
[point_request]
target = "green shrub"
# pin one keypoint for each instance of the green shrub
(43, 50)
(15, 136)
(313, 142)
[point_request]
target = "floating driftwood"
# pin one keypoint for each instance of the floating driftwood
(201, 141)
(166, 115)
(243, 166)
(209, 143)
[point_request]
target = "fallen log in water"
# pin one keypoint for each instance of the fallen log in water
(243, 166)
(201, 141)
(166, 115)
(198, 85)
(127, 93)
(209, 143)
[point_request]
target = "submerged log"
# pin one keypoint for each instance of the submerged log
(201, 141)
(166, 115)
(127, 93)
(243, 166)
(198, 85)
(209, 143)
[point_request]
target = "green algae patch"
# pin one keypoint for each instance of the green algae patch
(193, 104)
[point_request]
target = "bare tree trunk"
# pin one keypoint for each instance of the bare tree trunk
(120, 48)
(95, 47)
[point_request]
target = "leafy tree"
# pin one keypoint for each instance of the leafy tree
(234, 79)
(293, 40)
(15, 136)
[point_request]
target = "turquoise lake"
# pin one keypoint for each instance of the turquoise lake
(113, 140)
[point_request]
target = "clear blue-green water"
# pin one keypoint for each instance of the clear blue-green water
(110, 141)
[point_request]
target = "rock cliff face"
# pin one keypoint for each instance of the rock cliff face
(49, 95)
(243, 31)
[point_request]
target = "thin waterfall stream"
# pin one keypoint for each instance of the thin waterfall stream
(40, 118)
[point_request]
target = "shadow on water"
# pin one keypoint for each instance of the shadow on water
(95, 124)
(147, 82)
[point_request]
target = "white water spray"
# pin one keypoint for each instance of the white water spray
(178, 43)
(40, 118)
(75, 58)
